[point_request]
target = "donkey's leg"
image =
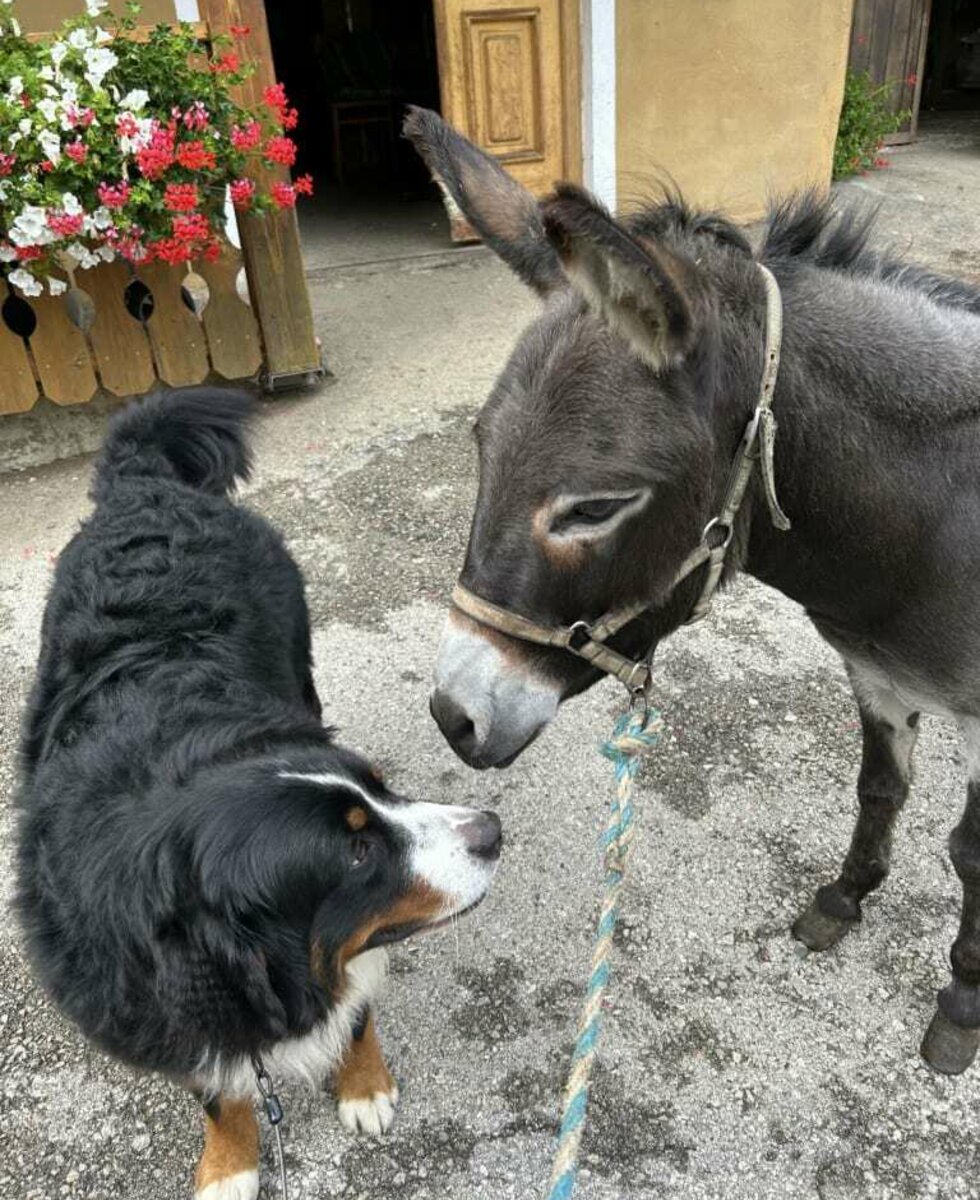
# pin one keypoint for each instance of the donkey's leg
(950, 1044)
(889, 730)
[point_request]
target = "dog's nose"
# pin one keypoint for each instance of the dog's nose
(482, 835)
(456, 724)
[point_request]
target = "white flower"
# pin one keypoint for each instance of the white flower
(46, 73)
(79, 38)
(135, 100)
(25, 126)
(101, 218)
(83, 255)
(14, 139)
(48, 109)
(102, 36)
(71, 204)
(51, 145)
(95, 7)
(99, 63)
(16, 87)
(30, 227)
(7, 253)
(15, 26)
(25, 281)
(57, 287)
(106, 253)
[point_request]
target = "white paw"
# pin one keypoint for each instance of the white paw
(243, 1186)
(373, 1117)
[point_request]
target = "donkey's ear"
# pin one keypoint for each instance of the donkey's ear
(646, 293)
(505, 214)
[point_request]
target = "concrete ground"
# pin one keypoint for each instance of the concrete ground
(733, 1065)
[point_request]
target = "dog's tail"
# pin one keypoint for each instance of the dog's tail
(197, 436)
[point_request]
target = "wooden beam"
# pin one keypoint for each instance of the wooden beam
(270, 244)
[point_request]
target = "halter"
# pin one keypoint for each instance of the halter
(587, 638)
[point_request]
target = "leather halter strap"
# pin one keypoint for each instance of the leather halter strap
(587, 638)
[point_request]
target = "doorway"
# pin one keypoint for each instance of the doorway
(350, 67)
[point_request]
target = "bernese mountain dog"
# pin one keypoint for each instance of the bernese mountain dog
(206, 879)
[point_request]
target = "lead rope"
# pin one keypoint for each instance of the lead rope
(273, 1110)
(634, 732)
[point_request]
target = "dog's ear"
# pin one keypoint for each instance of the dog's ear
(644, 291)
(209, 980)
(502, 212)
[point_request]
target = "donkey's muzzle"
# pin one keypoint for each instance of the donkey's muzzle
(457, 727)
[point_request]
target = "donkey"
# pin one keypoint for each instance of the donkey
(607, 442)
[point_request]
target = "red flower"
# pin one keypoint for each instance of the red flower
(114, 195)
(303, 185)
(66, 224)
(247, 137)
(25, 100)
(280, 149)
(882, 162)
(126, 126)
(7, 162)
(912, 80)
(283, 195)
(26, 253)
(212, 251)
(195, 156)
(158, 156)
(131, 248)
(193, 228)
(275, 96)
(240, 30)
(80, 116)
(77, 151)
(169, 250)
(180, 197)
(46, 166)
(242, 193)
(227, 64)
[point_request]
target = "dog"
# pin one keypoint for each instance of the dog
(206, 879)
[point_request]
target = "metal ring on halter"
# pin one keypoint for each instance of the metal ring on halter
(718, 523)
(581, 629)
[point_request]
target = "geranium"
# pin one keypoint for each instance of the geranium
(180, 197)
(281, 150)
(195, 156)
(117, 145)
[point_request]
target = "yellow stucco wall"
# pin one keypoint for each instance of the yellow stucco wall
(737, 99)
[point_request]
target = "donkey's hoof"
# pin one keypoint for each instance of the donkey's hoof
(818, 930)
(947, 1047)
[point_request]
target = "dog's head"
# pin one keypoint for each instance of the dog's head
(284, 871)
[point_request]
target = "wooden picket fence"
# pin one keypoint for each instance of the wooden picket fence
(122, 353)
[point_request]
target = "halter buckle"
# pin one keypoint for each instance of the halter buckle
(579, 634)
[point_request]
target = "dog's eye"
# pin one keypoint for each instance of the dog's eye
(361, 850)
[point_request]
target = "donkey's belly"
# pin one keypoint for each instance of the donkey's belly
(911, 682)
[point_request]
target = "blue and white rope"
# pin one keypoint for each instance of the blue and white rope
(634, 732)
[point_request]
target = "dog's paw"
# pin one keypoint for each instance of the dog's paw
(243, 1186)
(372, 1116)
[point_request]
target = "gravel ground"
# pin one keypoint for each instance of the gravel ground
(734, 1064)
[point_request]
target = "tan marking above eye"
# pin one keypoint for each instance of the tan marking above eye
(355, 818)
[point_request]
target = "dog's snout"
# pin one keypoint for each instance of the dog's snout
(455, 723)
(483, 835)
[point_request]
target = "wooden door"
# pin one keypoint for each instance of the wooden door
(888, 40)
(509, 79)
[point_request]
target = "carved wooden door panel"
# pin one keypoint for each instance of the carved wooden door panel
(509, 78)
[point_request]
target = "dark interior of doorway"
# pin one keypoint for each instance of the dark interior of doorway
(351, 67)
(951, 76)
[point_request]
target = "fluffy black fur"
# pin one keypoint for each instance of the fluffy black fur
(171, 882)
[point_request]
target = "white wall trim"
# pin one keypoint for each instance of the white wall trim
(599, 98)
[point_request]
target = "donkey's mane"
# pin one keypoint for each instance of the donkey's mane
(806, 229)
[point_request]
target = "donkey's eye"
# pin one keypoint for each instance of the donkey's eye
(593, 511)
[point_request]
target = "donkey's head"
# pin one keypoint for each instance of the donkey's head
(596, 447)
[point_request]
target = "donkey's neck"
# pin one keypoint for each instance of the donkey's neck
(878, 403)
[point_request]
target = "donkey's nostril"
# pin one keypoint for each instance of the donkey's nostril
(483, 835)
(456, 725)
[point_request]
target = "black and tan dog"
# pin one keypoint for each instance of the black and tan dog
(204, 874)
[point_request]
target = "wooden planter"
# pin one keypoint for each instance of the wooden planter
(120, 354)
